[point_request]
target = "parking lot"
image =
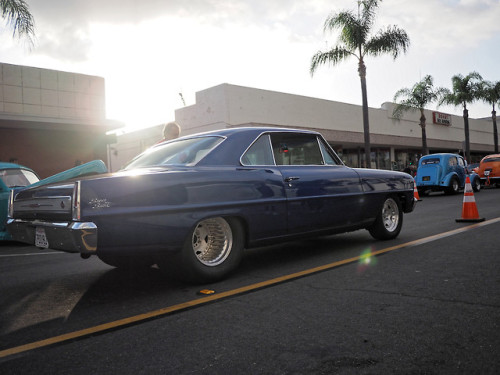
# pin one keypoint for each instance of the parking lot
(426, 302)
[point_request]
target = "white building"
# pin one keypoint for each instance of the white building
(395, 143)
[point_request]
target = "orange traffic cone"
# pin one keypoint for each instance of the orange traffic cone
(469, 210)
(415, 191)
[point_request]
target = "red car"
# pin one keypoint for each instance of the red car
(489, 170)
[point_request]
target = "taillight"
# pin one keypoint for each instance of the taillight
(10, 205)
(76, 201)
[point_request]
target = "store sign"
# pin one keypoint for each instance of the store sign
(441, 118)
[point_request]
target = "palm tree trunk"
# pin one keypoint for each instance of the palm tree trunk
(425, 150)
(495, 130)
(466, 130)
(366, 125)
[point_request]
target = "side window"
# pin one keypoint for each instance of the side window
(327, 156)
(259, 153)
(452, 161)
(296, 149)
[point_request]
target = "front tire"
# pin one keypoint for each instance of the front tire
(476, 185)
(389, 220)
(213, 249)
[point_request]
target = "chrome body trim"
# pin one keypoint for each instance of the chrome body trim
(72, 237)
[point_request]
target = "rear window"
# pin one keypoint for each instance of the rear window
(17, 177)
(430, 161)
(491, 160)
(180, 152)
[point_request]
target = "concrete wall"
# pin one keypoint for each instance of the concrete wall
(51, 120)
(229, 105)
(50, 93)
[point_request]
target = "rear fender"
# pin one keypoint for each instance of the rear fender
(447, 179)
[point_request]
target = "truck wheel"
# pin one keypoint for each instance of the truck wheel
(389, 220)
(211, 251)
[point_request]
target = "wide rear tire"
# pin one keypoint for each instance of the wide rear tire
(212, 250)
(454, 186)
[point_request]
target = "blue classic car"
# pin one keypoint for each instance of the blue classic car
(444, 172)
(191, 205)
(12, 176)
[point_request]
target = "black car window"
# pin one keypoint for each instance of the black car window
(430, 161)
(296, 149)
(179, 152)
(259, 153)
(491, 160)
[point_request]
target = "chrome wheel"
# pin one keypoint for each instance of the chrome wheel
(390, 215)
(212, 241)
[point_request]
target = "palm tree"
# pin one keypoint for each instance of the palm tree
(18, 16)
(355, 40)
(416, 99)
(465, 90)
(491, 95)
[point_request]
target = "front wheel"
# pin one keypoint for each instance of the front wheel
(212, 250)
(476, 185)
(389, 220)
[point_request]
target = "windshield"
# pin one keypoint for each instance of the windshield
(17, 177)
(179, 152)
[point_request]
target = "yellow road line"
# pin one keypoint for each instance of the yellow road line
(214, 297)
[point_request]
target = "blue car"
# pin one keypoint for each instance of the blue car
(12, 176)
(191, 205)
(444, 172)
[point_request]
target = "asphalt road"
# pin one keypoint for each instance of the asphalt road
(425, 303)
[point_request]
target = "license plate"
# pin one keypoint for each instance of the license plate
(426, 178)
(41, 238)
(486, 173)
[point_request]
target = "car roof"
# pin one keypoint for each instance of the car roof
(238, 139)
(439, 155)
(491, 156)
(5, 165)
(250, 130)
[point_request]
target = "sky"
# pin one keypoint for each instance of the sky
(151, 51)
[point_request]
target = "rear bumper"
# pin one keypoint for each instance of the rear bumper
(492, 180)
(72, 237)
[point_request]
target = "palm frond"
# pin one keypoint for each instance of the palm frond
(393, 40)
(332, 57)
(17, 15)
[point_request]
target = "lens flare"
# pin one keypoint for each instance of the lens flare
(366, 260)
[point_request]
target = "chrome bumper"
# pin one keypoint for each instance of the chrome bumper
(72, 237)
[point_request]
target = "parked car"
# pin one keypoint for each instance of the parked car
(444, 172)
(15, 177)
(472, 168)
(489, 170)
(191, 205)
(12, 176)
